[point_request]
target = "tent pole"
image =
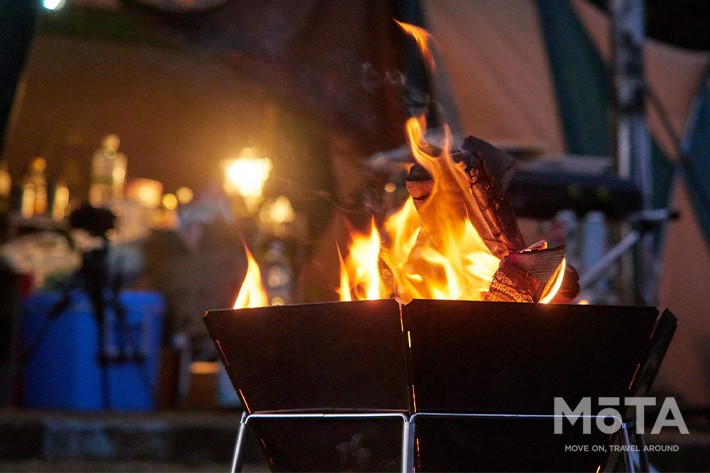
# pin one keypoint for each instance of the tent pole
(632, 144)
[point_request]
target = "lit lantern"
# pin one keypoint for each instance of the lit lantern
(246, 175)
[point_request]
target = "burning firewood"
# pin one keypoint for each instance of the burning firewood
(483, 202)
(468, 227)
(513, 284)
(527, 276)
(480, 157)
(569, 290)
(444, 203)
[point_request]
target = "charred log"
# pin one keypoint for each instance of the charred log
(528, 276)
(482, 200)
(488, 193)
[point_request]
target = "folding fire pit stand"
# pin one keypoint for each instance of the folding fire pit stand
(471, 385)
(407, 455)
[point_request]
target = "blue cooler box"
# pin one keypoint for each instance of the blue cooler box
(63, 370)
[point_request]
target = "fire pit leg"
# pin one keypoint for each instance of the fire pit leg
(236, 460)
(628, 461)
(407, 446)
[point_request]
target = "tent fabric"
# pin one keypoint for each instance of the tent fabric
(674, 76)
(672, 73)
(684, 290)
(584, 91)
(17, 21)
(580, 77)
(495, 59)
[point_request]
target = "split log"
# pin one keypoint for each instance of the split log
(528, 276)
(570, 287)
(501, 164)
(480, 157)
(513, 284)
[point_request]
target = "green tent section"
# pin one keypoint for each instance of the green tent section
(696, 158)
(583, 89)
(580, 80)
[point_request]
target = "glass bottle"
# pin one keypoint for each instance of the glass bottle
(108, 173)
(60, 201)
(34, 189)
(5, 187)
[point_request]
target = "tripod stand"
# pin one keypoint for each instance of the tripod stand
(94, 278)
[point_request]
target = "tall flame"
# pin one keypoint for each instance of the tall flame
(450, 259)
(252, 292)
(423, 38)
(429, 249)
(400, 235)
(360, 271)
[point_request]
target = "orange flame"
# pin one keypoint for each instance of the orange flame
(553, 286)
(252, 292)
(344, 289)
(400, 235)
(437, 256)
(431, 249)
(449, 260)
(360, 272)
(423, 38)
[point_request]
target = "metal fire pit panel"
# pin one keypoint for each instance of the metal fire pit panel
(516, 358)
(339, 356)
(498, 357)
(458, 357)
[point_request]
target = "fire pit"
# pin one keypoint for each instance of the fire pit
(443, 354)
(477, 377)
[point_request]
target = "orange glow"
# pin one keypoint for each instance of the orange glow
(360, 271)
(583, 302)
(252, 292)
(400, 235)
(344, 289)
(423, 38)
(554, 284)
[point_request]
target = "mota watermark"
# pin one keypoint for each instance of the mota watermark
(668, 416)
